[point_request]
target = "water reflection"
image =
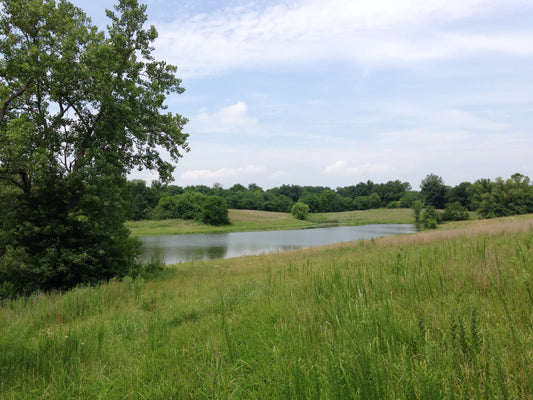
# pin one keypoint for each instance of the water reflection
(179, 248)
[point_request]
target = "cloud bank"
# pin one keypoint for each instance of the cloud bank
(230, 119)
(367, 32)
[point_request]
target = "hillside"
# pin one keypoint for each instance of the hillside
(440, 314)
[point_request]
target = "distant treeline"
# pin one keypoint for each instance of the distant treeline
(490, 198)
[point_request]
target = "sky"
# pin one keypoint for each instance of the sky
(333, 93)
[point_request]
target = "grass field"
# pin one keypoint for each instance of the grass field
(249, 220)
(446, 314)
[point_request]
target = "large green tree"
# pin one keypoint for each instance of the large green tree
(433, 190)
(79, 109)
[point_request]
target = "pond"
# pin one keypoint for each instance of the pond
(181, 248)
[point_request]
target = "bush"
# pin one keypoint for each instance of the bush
(214, 211)
(279, 203)
(417, 208)
(51, 244)
(394, 204)
(361, 203)
(430, 219)
(210, 210)
(167, 208)
(408, 199)
(455, 212)
(300, 210)
(430, 223)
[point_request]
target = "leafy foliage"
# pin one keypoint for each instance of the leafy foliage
(430, 218)
(79, 109)
(502, 197)
(455, 212)
(434, 191)
(489, 198)
(280, 203)
(417, 208)
(141, 199)
(214, 211)
(330, 201)
(210, 210)
(300, 210)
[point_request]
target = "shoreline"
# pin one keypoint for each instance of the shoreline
(253, 221)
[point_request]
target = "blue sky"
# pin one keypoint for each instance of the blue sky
(332, 93)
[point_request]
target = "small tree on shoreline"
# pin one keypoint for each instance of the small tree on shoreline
(300, 210)
(430, 218)
(417, 208)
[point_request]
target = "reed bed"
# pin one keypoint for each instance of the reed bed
(433, 315)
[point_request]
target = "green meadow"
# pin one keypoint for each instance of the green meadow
(446, 314)
(251, 220)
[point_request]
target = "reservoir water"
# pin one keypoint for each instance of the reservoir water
(181, 248)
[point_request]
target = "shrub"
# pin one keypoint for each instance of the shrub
(417, 208)
(455, 212)
(193, 205)
(361, 203)
(167, 207)
(394, 204)
(300, 210)
(214, 211)
(430, 219)
(72, 232)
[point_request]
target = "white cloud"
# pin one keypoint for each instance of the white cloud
(407, 155)
(278, 175)
(222, 173)
(368, 32)
(230, 119)
(424, 122)
(342, 168)
(518, 43)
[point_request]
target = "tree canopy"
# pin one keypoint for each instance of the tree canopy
(434, 191)
(79, 109)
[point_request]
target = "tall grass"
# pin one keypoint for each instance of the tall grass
(441, 315)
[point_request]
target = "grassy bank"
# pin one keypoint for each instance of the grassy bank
(248, 220)
(436, 315)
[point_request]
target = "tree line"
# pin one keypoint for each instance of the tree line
(489, 198)
(170, 201)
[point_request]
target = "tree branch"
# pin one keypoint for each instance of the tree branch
(13, 96)
(13, 181)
